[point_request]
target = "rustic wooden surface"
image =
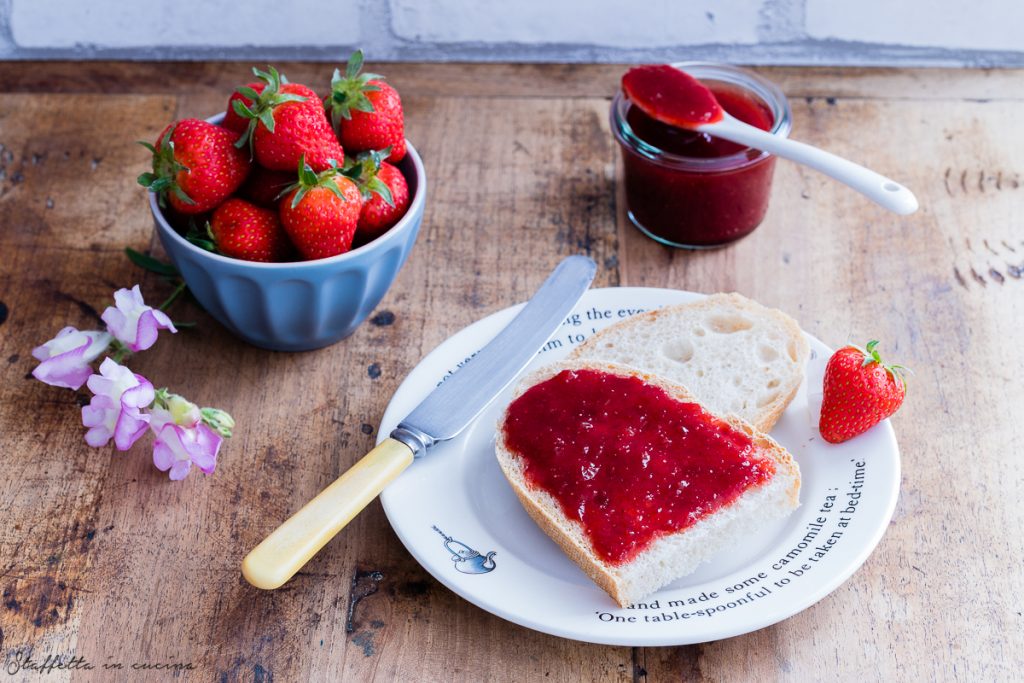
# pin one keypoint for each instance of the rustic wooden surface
(102, 557)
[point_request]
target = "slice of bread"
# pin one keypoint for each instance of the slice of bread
(671, 556)
(735, 355)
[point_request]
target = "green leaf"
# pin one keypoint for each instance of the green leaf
(180, 194)
(335, 190)
(243, 110)
(363, 104)
(355, 63)
(147, 179)
(267, 118)
(378, 186)
(148, 146)
(247, 92)
(151, 264)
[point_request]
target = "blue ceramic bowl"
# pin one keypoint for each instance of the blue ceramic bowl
(303, 305)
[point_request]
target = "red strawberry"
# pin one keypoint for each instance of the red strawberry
(246, 231)
(860, 392)
(265, 187)
(385, 193)
(232, 119)
(320, 212)
(196, 166)
(287, 122)
(366, 111)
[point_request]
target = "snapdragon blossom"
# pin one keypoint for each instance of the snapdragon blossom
(67, 357)
(115, 411)
(133, 322)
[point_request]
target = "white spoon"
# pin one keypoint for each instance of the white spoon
(678, 99)
(875, 186)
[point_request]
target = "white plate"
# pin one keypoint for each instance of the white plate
(455, 504)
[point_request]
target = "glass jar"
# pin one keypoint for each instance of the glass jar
(692, 190)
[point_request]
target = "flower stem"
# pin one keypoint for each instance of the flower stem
(174, 295)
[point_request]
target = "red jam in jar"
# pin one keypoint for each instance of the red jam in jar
(688, 189)
(627, 460)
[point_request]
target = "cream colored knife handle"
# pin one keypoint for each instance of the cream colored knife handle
(291, 545)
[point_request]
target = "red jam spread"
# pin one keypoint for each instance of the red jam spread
(699, 197)
(626, 460)
(671, 96)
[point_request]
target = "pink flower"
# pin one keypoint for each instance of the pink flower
(133, 322)
(177, 447)
(66, 357)
(116, 407)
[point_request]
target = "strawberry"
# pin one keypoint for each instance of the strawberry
(264, 187)
(321, 211)
(860, 392)
(196, 166)
(286, 122)
(232, 120)
(249, 232)
(385, 193)
(366, 111)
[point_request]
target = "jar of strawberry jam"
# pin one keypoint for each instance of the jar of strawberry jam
(692, 190)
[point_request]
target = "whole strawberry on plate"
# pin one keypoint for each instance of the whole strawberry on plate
(286, 122)
(385, 193)
(321, 211)
(860, 391)
(245, 231)
(196, 166)
(366, 111)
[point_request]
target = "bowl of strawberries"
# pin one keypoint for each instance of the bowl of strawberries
(290, 214)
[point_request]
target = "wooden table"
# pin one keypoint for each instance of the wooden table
(101, 557)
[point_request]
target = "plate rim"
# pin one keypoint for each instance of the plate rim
(770, 618)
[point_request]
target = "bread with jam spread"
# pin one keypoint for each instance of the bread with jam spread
(735, 355)
(667, 554)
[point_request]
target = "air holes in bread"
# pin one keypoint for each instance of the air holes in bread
(767, 399)
(767, 353)
(679, 350)
(699, 331)
(728, 323)
(774, 383)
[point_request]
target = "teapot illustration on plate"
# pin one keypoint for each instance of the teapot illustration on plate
(467, 560)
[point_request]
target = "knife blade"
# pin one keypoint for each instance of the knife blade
(442, 415)
(462, 397)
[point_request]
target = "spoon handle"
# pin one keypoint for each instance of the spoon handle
(875, 186)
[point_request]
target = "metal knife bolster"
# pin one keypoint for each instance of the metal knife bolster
(452, 406)
(417, 440)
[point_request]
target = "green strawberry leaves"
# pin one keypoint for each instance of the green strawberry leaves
(263, 103)
(164, 177)
(363, 171)
(348, 91)
(308, 179)
(871, 355)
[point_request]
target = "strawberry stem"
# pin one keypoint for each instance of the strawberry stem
(871, 355)
(164, 177)
(263, 103)
(348, 92)
(363, 171)
(308, 179)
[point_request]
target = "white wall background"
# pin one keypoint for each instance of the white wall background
(851, 32)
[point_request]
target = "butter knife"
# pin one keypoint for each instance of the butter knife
(442, 415)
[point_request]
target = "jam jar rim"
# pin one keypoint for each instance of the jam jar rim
(749, 81)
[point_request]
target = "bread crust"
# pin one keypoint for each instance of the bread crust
(568, 533)
(768, 415)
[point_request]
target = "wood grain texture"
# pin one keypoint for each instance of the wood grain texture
(101, 557)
